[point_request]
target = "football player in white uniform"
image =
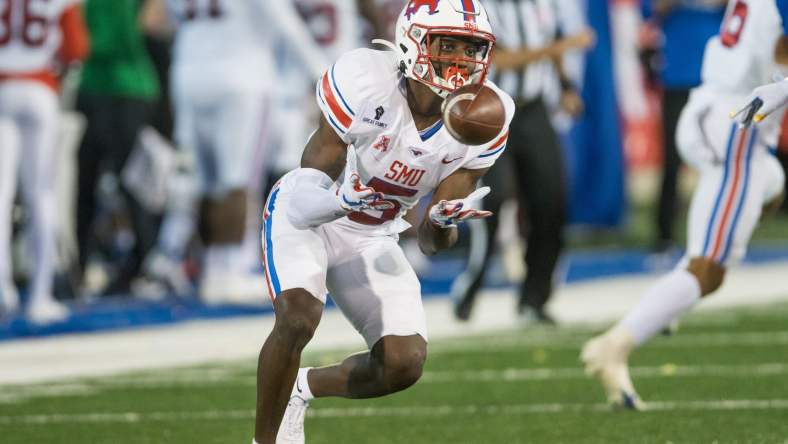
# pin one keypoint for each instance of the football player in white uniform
(766, 99)
(38, 38)
(332, 225)
(334, 27)
(738, 178)
(222, 77)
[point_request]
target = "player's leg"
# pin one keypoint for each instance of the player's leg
(38, 166)
(380, 294)
(543, 199)
(298, 313)
(9, 162)
(129, 118)
(89, 159)
(378, 291)
(295, 263)
(673, 100)
(483, 231)
(236, 143)
(179, 223)
(725, 208)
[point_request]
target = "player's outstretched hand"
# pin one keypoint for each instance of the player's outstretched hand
(448, 213)
(354, 195)
(763, 101)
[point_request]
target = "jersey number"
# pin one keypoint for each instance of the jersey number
(192, 10)
(387, 188)
(733, 24)
(322, 21)
(33, 29)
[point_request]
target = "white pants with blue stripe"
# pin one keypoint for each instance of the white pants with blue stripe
(737, 176)
(368, 276)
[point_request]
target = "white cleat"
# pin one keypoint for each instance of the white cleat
(9, 301)
(46, 311)
(605, 357)
(291, 431)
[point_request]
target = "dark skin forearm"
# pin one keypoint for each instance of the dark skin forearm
(781, 51)
(458, 185)
(433, 238)
(325, 151)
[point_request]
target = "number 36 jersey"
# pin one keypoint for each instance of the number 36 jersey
(31, 33)
(362, 96)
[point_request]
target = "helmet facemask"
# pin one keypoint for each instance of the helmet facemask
(440, 67)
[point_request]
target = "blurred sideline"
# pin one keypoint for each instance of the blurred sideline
(583, 301)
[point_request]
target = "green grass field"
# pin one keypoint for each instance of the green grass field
(722, 379)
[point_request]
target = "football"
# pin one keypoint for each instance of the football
(474, 114)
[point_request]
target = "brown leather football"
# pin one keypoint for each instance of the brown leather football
(474, 114)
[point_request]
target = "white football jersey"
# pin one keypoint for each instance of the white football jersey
(741, 57)
(363, 99)
(222, 38)
(30, 34)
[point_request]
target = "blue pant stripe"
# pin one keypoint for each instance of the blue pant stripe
(269, 246)
(740, 203)
(713, 218)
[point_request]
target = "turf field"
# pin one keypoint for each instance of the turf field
(722, 379)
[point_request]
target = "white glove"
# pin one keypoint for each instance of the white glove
(352, 194)
(448, 213)
(763, 101)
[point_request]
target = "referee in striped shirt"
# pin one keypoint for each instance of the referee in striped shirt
(528, 66)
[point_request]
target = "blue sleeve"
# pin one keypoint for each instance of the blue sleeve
(782, 6)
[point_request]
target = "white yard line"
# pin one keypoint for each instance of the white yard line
(415, 411)
(16, 394)
(199, 342)
(559, 340)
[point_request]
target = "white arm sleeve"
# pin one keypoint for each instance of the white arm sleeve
(313, 202)
(289, 24)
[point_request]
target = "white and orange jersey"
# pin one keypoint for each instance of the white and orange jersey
(37, 35)
(741, 57)
(362, 98)
(220, 38)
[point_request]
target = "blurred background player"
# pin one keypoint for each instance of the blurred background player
(336, 27)
(223, 79)
(39, 40)
(682, 30)
(739, 178)
(528, 63)
(117, 94)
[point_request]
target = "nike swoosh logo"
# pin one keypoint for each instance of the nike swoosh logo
(298, 385)
(447, 161)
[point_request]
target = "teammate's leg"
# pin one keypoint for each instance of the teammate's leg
(38, 166)
(9, 162)
(297, 316)
(240, 127)
(725, 208)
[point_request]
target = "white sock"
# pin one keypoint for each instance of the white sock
(301, 387)
(670, 297)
